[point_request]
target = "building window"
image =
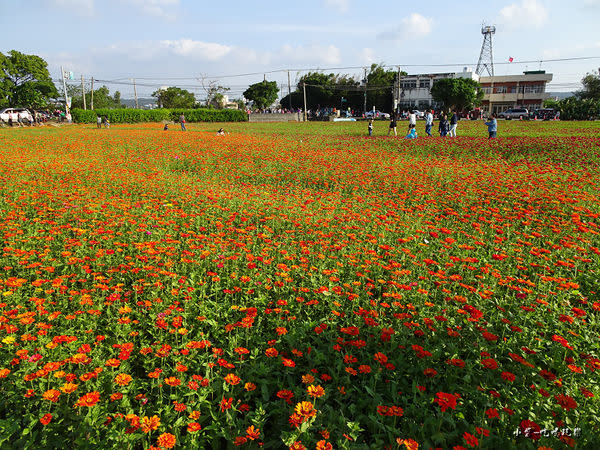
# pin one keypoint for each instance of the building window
(424, 84)
(501, 90)
(409, 84)
(534, 89)
(487, 90)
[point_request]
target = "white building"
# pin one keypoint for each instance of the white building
(415, 90)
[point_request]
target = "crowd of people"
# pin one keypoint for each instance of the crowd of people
(22, 118)
(447, 127)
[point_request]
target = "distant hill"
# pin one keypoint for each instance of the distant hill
(560, 95)
(143, 102)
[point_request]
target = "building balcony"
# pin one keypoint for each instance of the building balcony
(515, 97)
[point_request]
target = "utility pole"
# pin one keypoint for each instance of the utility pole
(62, 74)
(365, 95)
(135, 95)
(92, 94)
(304, 89)
(289, 91)
(83, 93)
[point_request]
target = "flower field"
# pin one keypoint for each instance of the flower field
(300, 285)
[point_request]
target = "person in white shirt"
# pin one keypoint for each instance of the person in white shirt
(428, 122)
(412, 120)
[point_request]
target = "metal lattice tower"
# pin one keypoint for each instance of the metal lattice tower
(486, 58)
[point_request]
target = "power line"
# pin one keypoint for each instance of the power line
(304, 69)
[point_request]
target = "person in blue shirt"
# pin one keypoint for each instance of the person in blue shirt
(492, 125)
(412, 133)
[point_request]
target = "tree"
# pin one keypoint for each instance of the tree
(214, 93)
(102, 98)
(380, 84)
(263, 94)
(591, 87)
(174, 97)
(457, 93)
(25, 80)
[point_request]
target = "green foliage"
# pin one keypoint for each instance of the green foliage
(381, 98)
(591, 87)
(263, 94)
(131, 115)
(25, 81)
(574, 108)
(344, 91)
(457, 93)
(102, 98)
(174, 97)
(209, 115)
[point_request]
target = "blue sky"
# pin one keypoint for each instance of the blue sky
(162, 39)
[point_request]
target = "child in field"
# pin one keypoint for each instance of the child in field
(371, 127)
(221, 132)
(444, 126)
(492, 125)
(166, 127)
(412, 133)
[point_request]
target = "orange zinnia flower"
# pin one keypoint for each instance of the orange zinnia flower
(90, 399)
(166, 440)
(232, 379)
(173, 381)
(305, 409)
(252, 433)
(67, 388)
(123, 379)
(315, 391)
(46, 419)
(149, 424)
(193, 427)
(51, 395)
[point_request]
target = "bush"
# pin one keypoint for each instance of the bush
(159, 115)
(573, 108)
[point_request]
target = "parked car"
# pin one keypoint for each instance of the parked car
(376, 115)
(514, 113)
(543, 114)
(25, 114)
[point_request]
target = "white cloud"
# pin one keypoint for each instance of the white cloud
(82, 7)
(591, 2)
(339, 5)
(311, 54)
(207, 51)
(413, 26)
(525, 13)
(366, 56)
(158, 8)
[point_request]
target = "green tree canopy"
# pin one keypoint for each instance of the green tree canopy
(102, 98)
(457, 93)
(25, 81)
(591, 87)
(174, 97)
(263, 94)
(380, 84)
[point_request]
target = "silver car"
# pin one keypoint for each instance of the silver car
(514, 113)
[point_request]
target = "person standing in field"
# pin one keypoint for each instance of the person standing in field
(98, 122)
(371, 127)
(393, 125)
(492, 125)
(182, 122)
(412, 120)
(453, 124)
(444, 126)
(428, 122)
